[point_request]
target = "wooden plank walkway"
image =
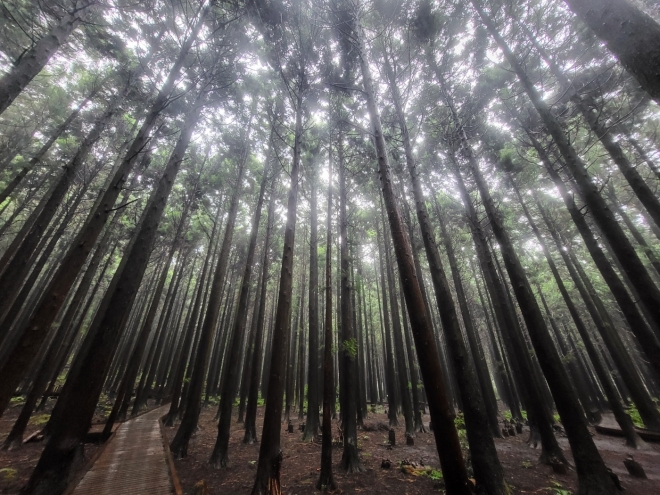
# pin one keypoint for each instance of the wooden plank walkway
(133, 463)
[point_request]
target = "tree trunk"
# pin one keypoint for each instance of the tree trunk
(521, 361)
(220, 457)
(350, 462)
(632, 439)
(267, 480)
(446, 436)
(257, 355)
(179, 445)
(82, 390)
(312, 419)
(604, 217)
(31, 62)
(629, 33)
(390, 376)
(54, 296)
(636, 321)
(326, 480)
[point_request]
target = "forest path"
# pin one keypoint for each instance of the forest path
(133, 463)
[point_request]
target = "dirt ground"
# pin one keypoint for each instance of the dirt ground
(300, 463)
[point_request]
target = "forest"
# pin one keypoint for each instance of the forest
(313, 234)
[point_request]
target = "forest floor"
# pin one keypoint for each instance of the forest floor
(301, 460)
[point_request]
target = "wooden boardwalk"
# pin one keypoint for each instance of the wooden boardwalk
(133, 463)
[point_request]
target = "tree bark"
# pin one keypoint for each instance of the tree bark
(350, 462)
(82, 390)
(267, 480)
(326, 480)
(179, 444)
(35, 59)
(220, 457)
(631, 35)
(446, 436)
(54, 296)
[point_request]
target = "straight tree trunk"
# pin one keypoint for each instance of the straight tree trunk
(399, 351)
(638, 325)
(31, 62)
(312, 418)
(179, 444)
(446, 436)
(179, 366)
(55, 294)
(82, 390)
(592, 472)
(350, 462)
(390, 375)
(631, 35)
(478, 421)
(326, 480)
(622, 248)
(257, 354)
(219, 456)
(622, 418)
(267, 481)
(520, 359)
(131, 371)
(15, 272)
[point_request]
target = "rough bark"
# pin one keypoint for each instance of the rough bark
(35, 59)
(81, 392)
(629, 33)
(56, 292)
(445, 433)
(350, 462)
(267, 480)
(179, 444)
(326, 480)
(219, 456)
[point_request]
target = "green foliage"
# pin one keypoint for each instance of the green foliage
(8, 474)
(350, 346)
(39, 419)
(634, 415)
(558, 489)
(527, 464)
(434, 474)
(459, 421)
(17, 401)
(557, 418)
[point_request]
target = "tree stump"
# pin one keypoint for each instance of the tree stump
(505, 433)
(391, 437)
(519, 428)
(409, 439)
(201, 488)
(634, 468)
(290, 428)
(386, 464)
(512, 431)
(558, 466)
